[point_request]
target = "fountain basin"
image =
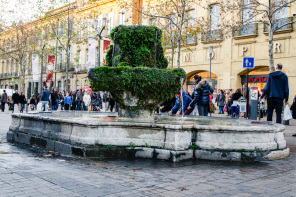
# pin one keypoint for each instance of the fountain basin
(98, 135)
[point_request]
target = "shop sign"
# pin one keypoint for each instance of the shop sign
(254, 79)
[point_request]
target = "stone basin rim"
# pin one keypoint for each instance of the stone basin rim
(243, 128)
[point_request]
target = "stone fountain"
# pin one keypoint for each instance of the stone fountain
(138, 81)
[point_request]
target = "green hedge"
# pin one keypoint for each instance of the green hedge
(145, 83)
(135, 45)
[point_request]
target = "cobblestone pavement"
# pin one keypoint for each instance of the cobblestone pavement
(28, 172)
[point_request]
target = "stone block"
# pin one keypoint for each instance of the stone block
(22, 138)
(217, 155)
(50, 145)
(63, 148)
(277, 154)
(178, 139)
(145, 153)
(163, 154)
(10, 136)
(177, 156)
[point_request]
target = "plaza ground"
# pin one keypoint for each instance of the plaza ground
(31, 172)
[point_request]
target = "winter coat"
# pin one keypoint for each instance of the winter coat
(293, 108)
(4, 98)
(220, 100)
(168, 104)
(202, 92)
(86, 99)
(45, 95)
(236, 96)
(186, 101)
(79, 96)
(16, 98)
(32, 101)
(276, 86)
(22, 99)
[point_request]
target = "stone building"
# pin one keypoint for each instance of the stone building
(226, 63)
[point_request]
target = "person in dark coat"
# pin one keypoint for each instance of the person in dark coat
(53, 99)
(293, 108)
(22, 100)
(276, 90)
(221, 101)
(3, 100)
(167, 105)
(32, 103)
(15, 99)
(201, 97)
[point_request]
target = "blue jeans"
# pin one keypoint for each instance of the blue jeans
(203, 110)
(57, 104)
(234, 110)
(221, 109)
(22, 107)
(78, 107)
(44, 103)
(277, 104)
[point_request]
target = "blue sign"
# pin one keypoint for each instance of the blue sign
(248, 62)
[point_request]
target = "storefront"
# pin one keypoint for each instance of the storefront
(204, 74)
(256, 77)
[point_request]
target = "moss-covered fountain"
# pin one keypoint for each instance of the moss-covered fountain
(136, 72)
(137, 76)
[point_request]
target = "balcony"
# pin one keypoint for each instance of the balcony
(280, 26)
(212, 36)
(62, 67)
(247, 31)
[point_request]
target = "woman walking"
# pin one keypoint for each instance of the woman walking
(86, 101)
(22, 100)
(221, 101)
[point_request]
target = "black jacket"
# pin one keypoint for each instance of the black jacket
(16, 98)
(202, 92)
(276, 86)
(22, 99)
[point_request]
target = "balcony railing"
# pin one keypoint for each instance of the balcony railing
(62, 67)
(212, 36)
(246, 30)
(280, 25)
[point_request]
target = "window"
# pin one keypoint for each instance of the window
(59, 86)
(283, 10)
(89, 28)
(214, 16)
(190, 25)
(61, 58)
(109, 22)
(247, 12)
(122, 17)
(61, 28)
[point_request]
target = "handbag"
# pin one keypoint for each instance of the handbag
(212, 107)
(287, 113)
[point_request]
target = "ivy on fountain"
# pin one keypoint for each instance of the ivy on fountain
(131, 67)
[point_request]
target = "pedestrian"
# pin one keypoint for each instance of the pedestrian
(22, 100)
(68, 101)
(86, 101)
(201, 95)
(32, 103)
(179, 108)
(221, 101)
(73, 99)
(45, 98)
(61, 100)
(105, 101)
(111, 103)
(234, 102)
(53, 97)
(3, 100)
(167, 105)
(79, 99)
(15, 99)
(276, 90)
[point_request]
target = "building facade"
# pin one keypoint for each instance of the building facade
(250, 40)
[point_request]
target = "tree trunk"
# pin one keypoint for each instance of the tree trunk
(173, 52)
(270, 48)
(179, 48)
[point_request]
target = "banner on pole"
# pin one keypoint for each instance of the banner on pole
(105, 48)
(50, 66)
(91, 62)
(35, 67)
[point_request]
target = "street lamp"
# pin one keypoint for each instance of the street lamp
(77, 69)
(99, 35)
(211, 54)
(42, 50)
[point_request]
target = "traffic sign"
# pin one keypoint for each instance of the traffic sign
(248, 62)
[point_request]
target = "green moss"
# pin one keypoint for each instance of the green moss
(136, 46)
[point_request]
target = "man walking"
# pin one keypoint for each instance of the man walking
(15, 99)
(276, 90)
(3, 100)
(45, 98)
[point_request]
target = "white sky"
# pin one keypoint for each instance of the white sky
(25, 10)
